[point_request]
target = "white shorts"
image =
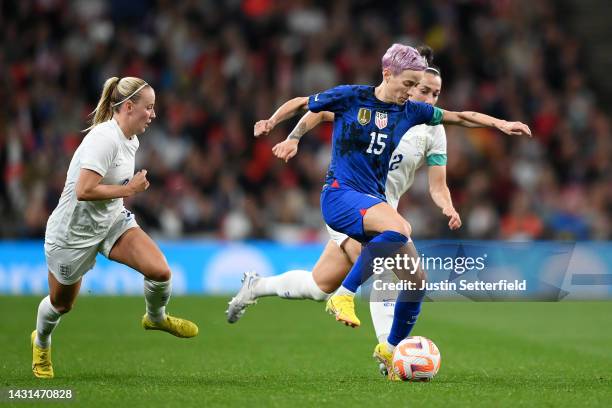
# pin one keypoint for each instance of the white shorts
(68, 265)
(336, 236)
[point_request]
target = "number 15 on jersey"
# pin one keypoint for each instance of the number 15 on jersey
(377, 144)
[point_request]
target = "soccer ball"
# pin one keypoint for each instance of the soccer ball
(416, 359)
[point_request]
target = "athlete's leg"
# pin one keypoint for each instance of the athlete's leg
(334, 264)
(327, 274)
(390, 232)
(396, 320)
(331, 267)
(382, 306)
(408, 303)
(393, 237)
(367, 219)
(66, 267)
(405, 312)
(137, 250)
(352, 249)
(383, 217)
(60, 300)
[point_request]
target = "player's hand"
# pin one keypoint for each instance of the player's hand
(455, 221)
(515, 128)
(286, 149)
(139, 182)
(263, 127)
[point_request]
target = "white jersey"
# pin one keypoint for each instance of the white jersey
(80, 224)
(420, 144)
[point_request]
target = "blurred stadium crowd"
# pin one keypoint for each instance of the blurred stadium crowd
(217, 67)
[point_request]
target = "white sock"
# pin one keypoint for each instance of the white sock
(297, 284)
(344, 291)
(157, 295)
(382, 317)
(46, 320)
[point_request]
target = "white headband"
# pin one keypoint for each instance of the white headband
(433, 69)
(130, 95)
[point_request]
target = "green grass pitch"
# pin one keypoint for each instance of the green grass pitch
(290, 353)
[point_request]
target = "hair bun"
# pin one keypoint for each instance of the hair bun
(426, 52)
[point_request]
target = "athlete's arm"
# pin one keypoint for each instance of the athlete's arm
(88, 187)
(440, 194)
(288, 148)
(286, 111)
(476, 119)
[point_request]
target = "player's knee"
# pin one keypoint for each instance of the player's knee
(406, 228)
(352, 249)
(62, 307)
(160, 273)
(402, 227)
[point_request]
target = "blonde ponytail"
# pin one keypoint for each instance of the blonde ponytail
(114, 93)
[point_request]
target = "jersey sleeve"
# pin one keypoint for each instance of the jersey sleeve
(423, 113)
(333, 100)
(436, 149)
(98, 153)
(436, 119)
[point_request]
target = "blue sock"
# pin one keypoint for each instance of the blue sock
(405, 315)
(387, 243)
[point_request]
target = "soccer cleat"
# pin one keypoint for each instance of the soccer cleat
(174, 325)
(41, 359)
(343, 308)
(382, 369)
(385, 358)
(244, 298)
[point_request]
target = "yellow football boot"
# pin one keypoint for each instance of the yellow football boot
(343, 307)
(174, 325)
(41, 359)
(385, 357)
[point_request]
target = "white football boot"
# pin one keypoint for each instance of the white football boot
(244, 297)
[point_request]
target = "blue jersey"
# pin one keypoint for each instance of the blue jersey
(366, 132)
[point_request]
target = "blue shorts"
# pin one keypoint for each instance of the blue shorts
(343, 209)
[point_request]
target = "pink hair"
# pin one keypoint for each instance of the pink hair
(401, 57)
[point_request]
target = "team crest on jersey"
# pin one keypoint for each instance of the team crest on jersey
(363, 116)
(381, 120)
